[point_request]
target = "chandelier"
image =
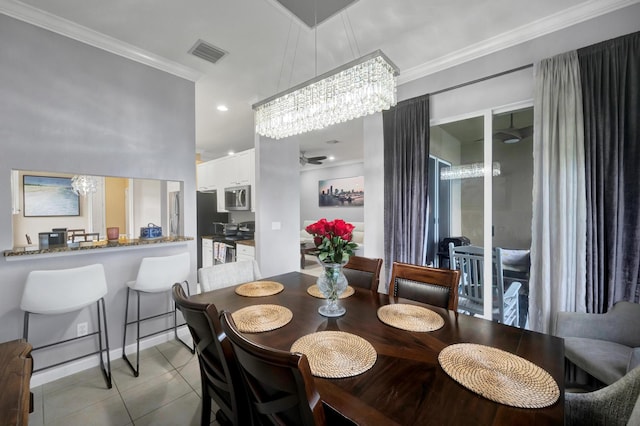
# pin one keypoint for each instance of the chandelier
(466, 171)
(361, 87)
(83, 184)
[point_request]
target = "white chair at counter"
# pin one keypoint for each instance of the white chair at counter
(228, 274)
(68, 290)
(156, 275)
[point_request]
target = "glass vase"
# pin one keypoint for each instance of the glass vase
(332, 284)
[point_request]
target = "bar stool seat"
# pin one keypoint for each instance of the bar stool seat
(68, 290)
(156, 275)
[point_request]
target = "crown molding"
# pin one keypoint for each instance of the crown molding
(48, 21)
(558, 21)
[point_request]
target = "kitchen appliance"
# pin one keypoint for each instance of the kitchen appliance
(48, 240)
(208, 216)
(237, 198)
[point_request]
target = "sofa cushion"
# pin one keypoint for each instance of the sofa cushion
(606, 361)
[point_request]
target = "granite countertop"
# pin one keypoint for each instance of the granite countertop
(103, 244)
(251, 243)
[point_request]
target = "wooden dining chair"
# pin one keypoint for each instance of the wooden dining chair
(363, 272)
(219, 373)
(434, 286)
(279, 383)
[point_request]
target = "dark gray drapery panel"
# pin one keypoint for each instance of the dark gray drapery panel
(406, 161)
(610, 73)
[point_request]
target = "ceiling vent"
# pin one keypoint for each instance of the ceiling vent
(207, 51)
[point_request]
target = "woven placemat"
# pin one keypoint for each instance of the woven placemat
(259, 318)
(336, 354)
(410, 317)
(499, 376)
(315, 292)
(259, 288)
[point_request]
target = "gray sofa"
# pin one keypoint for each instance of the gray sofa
(606, 346)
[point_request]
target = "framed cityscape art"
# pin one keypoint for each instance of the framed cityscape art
(342, 192)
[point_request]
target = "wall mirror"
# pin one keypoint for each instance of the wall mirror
(43, 201)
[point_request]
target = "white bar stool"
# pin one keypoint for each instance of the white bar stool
(156, 275)
(68, 290)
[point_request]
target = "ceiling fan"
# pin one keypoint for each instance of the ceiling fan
(512, 134)
(311, 160)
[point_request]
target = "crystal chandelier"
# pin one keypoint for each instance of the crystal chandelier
(83, 184)
(466, 171)
(361, 87)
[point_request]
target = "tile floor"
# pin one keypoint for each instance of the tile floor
(167, 392)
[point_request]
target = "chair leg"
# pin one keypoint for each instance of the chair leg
(105, 372)
(192, 349)
(135, 370)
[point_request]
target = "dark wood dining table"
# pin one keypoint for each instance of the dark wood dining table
(406, 385)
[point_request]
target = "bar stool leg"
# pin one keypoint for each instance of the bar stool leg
(25, 330)
(106, 374)
(135, 371)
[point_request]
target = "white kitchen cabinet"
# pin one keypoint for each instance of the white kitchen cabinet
(205, 176)
(207, 252)
(245, 252)
(228, 172)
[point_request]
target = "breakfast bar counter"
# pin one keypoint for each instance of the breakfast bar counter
(95, 246)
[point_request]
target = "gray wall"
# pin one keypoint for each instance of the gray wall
(69, 107)
(309, 209)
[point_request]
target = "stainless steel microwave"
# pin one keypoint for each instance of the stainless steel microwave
(237, 198)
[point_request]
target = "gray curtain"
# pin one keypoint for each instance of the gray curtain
(406, 162)
(558, 226)
(610, 73)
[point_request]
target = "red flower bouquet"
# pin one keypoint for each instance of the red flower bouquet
(333, 240)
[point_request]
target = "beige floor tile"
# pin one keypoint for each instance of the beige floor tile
(110, 412)
(92, 375)
(191, 373)
(155, 393)
(184, 411)
(74, 398)
(119, 363)
(150, 368)
(178, 355)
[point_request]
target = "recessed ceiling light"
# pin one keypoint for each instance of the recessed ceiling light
(230, 153)
(222, 108)
(331, 158)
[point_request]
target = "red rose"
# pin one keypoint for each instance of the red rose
(317, 241)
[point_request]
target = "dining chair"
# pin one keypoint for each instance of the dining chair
(434, 286)
(155, 275)
(280, 385)
(228, 274)
(616, 404)
(219, 373)
(470, 261)
(62, 291)
(363, 272)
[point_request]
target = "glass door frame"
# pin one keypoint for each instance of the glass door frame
(487, 220)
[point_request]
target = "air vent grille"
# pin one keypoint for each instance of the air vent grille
(207, 51)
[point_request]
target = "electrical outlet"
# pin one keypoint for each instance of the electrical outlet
(83, 329)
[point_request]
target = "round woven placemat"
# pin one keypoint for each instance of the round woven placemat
(336, 354)
(259, 318)
(499, 376)
(410, 317)
(259, 288)
(315, 292)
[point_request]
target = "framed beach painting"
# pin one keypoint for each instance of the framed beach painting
(49, 196)
(341, 192)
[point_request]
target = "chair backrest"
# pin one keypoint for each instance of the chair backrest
(63, 290)
(280, 385)
(218, 369)
(160, 273)
(363, 272)
(470, 261)
(228, 274)
(438, 287)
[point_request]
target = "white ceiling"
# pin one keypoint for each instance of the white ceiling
(269, 50)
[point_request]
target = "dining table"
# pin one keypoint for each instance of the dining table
(407, 384)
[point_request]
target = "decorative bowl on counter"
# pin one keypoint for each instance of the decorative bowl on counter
(150, 231)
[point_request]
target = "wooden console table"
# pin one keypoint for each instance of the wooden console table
(15, 374)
